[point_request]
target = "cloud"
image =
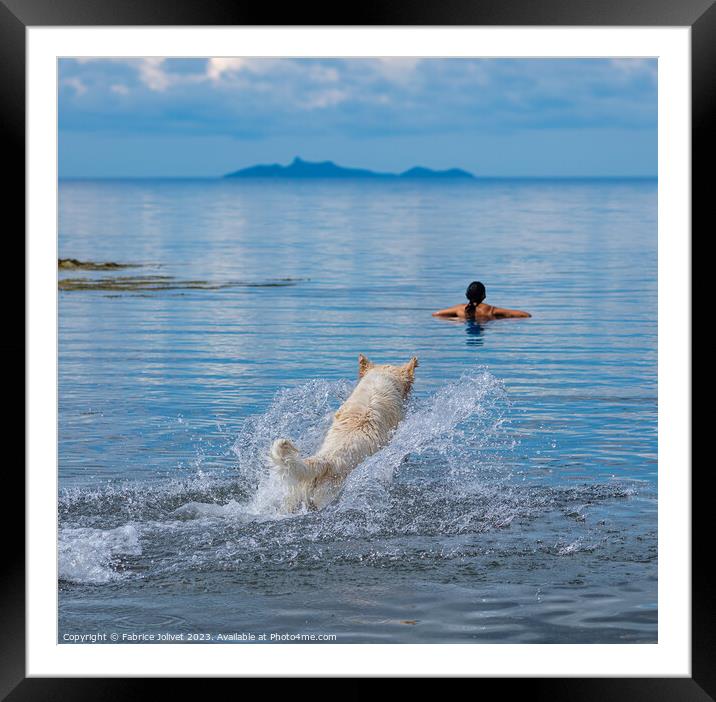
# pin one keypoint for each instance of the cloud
(218, 67)
(633, 67)
(152, 74)
(324, 98)
(76, 84)
(397, 69)
(264, 98)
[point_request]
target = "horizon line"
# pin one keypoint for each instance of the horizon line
(273, 180)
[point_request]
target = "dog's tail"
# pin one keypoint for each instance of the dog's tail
(285, 455)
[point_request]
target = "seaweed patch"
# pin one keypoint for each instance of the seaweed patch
(163, 282)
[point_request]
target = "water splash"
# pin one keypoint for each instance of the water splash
(447, 429)
(303, 413)
(433, 494)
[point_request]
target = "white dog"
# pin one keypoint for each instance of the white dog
(363, 424)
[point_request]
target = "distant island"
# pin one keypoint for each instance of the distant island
(300, 169)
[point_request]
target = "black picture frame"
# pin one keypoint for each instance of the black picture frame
(699, 15)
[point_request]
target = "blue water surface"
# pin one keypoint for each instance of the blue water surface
(517, 502)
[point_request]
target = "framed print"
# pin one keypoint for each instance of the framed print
(257, 416)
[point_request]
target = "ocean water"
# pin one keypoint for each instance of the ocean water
(516, 503)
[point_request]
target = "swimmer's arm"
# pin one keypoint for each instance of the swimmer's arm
(503, 313)
(449, 312)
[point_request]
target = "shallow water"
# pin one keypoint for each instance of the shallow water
(517, 501)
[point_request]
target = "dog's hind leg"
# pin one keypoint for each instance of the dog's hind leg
(285, 455)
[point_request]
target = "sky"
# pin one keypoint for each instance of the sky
(156, 117)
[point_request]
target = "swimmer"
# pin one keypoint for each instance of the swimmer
(476, 308)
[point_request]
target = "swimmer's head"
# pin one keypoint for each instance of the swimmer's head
(475, 292)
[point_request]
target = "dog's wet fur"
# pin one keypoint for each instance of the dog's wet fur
(363, 424)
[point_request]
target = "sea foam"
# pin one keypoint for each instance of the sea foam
(89, 555)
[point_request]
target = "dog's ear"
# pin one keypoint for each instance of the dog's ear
(411, 365)
(363, 365)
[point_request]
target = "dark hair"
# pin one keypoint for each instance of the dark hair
(475, 293)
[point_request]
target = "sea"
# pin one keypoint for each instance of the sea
(516, 502)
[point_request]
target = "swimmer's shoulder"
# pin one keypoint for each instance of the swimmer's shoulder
(485, 311)
(454, 311)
